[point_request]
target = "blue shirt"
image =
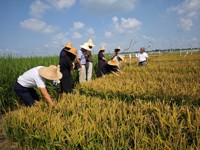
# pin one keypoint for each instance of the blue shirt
(81, 57)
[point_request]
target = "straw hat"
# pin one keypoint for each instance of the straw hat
(122, 57)
(73, 51)
(51, 73)
(68, 45)
(118, 47)
(86, 47)
(90, 43)
(113, 62)
(102, 48)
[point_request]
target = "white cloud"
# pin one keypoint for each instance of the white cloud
(185, 24)
(106, 6)
(61, 4)
(81, 27)
(130, 23)
(126, 25)
(76, 35)
(37, 8)
(38, 25)
(148, 38)
(188, 10)
(78, 25)
(60, 39)
(108, 34)
(90, 31)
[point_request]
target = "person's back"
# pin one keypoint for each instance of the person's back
(66, 65)
(31, 78)
(63, 52)
(36, 77)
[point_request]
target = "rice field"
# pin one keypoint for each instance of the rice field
(154, 107)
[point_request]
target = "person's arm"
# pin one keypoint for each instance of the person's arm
(73, 65)
(113, 55)
(103, 58)
(119, 71)
(115, 73)
(46, 95)
(79, 62)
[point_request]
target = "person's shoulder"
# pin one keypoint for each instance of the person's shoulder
(37, 67)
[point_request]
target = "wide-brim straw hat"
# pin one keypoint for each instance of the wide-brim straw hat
(68, 45)
(85, 46)
(50, 73)
(102, 48)
(122, 57)
(90, 43)
(113, 62)
(118, 47)
(73, 51)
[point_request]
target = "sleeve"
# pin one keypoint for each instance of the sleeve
(100, 55)
(40, 82)
(79, 54)
(62, 53)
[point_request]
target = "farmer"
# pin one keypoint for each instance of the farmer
(66, 65)
(101, 61)
(142, 57)
(116, 51)
(112, 67)
(63, 52)
(81, 60)
(36, 77)
(120, 59)
(89, 60)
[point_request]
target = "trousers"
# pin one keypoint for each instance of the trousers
(89, 67)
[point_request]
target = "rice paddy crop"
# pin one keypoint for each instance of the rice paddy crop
(154, 107)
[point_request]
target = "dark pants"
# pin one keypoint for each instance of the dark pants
(27, 95)
(142, 63)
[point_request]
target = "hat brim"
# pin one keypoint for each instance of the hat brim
(68, 47)
(84, 47)
(50, 73)
(113, 63)
(117, 49)
(121, 57)
(73, 51)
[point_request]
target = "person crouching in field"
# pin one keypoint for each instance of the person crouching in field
(66, 65)
(36, 77)
(112, 67)
(116, 51)
(120, 59)
(142, 57)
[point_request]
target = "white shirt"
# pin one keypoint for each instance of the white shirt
(31, 78)
(115, 58)
(142, 57)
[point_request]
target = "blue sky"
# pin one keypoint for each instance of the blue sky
(42, 27)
